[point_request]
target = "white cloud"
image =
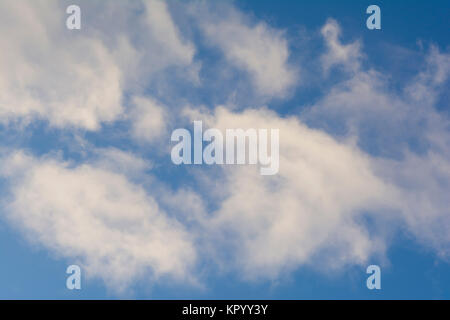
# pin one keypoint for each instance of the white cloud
(165, 32)
(257, 48)
(70, 81)
(425, 87)
(408, 138)
(276, 224)
(78, 78)
(149, 119)
(96, 217)
(424, 185)
(348, 55)
(119, 161)
(313, 211)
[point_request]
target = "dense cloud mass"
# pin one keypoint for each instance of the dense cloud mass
(95, 214)
(361, 151)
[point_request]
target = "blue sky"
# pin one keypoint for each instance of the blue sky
(86, 178)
